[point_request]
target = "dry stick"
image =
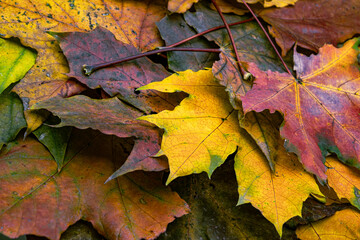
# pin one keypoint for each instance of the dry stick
(268, 37)
(89, 69)
(209, 30)
(245, 75)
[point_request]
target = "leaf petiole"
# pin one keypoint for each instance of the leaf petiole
(268, 37)
(89, 69)
(245, 75)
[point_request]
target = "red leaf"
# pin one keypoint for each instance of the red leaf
(100, 46)
(321, 108)
(312, 23)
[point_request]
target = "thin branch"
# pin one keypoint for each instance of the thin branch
(89, 69)
(244, 74)
(209, 30)
(268, 37)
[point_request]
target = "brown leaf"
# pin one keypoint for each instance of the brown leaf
(100, 46)
(113, 117)
(312, 23)
(42, 201)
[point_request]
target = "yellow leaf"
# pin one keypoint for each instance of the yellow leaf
(180, 6)
(16, 60)
(279, 3)
(344, 224)
(34, 119)
(203, 130)
(280, 195)
(344, 180)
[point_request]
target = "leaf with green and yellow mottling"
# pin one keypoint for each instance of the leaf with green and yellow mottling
(278, 195)
(16, 60)
(203, 130)
(344, 224)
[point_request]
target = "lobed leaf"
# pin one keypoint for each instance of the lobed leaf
(202, 131)
(100, 46)
(320, 107)
(278, 195)
(113, 117)
(37, 199)
(132, 22)
(312, 23)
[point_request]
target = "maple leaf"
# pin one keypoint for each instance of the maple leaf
(214, 214)
(202, 131)
(344, 224)
(272, 192)
(320, 107)
(252, 46)
(344, 180)
(100, 46)
(113, 117)
(16, 60)
(132, 22)
(199, 136)
(311, 23)
(42, 201)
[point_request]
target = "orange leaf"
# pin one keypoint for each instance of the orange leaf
(321, 107)
(132, 22)
(37, 199)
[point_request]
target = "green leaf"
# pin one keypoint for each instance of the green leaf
(16, 60)
(56, 140)
(11, 117)
(173, 28)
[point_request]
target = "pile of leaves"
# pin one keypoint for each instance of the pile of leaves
(288, 125)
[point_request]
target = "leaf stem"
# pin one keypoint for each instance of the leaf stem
(89, 69)
(268, 37)
(209, 30)
(245, 75)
